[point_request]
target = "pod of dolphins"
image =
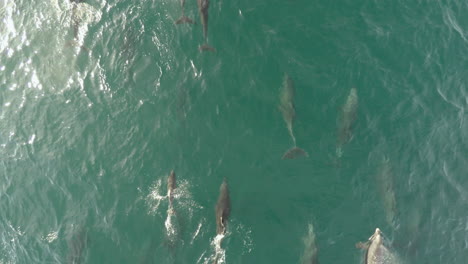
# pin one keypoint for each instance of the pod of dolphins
(377, 250)
(346, 120)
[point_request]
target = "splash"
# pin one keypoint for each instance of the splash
(51, 237)
(154, 198)
(219, 254)
(197, 232)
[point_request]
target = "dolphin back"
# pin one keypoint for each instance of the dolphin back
(350, 109)
(171, 181)
(378, 252)
(223, 208)
(287, 99)
(310, 255)
(171, 185)
(348, 117)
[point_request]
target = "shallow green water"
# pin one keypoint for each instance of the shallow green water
(88, 136)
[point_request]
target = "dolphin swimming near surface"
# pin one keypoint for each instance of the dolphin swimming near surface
(310, 255)
(222, 211)
(223, 208)
(377, 251)
(203, 9)
(287, 108)
(77, 245)
(171, 185)
(346, 121)
(386, 189)
(183, 19)
(75, 21)
(172, 223)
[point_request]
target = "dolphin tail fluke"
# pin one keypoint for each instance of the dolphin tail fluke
(295, 152)
(206, 47)
(184, 20)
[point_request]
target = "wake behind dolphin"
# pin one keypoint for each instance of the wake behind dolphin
(287, 108)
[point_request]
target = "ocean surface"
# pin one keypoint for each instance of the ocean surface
(99, 101)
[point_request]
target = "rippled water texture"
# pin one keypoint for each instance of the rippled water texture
(99, 101)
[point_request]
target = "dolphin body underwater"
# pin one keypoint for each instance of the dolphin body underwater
(385, 182)
(75, 19)
(203, 6)
(346, 121)
(81, 14)
(287, 108)
(310, 255)
(77, 244)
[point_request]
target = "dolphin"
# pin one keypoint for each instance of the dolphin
(377, 251)
(171, 185)
(223, 208)
(287, 108)
(75, 21)
(310, 255)
(172, 223)
(77, 245)
(346, 121)
(385, 184)
(203, 9)
(183, 19)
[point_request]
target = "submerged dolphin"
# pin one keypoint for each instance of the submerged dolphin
(183, 19)
(203, 9)
(385, 184)
(223, 208)
(377, 252)
(286, 107)
(77, 245)
(347, 118)
(75, 21)
(310, 255)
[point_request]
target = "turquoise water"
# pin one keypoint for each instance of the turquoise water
(89, 135)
